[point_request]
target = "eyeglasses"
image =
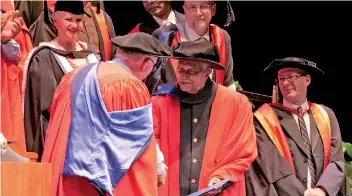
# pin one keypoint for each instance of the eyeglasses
(291, 79)
(191, 72)
(203, 8)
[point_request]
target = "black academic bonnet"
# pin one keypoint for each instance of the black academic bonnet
(142, 43)
(293, 62)
(200, 50)
(73, 7)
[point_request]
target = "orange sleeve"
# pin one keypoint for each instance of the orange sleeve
(239, 148)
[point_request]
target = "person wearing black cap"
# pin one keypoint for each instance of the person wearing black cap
(97, 29)
(299, 142)
(162, 15)
(204, 130)
(126, 108)
(30, 11)
(197, 25)
(45, 67)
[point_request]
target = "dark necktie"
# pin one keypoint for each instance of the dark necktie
(306, 141)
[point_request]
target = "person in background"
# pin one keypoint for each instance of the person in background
(45, 67)
(197, 25)
(162, 15)
(15, 46)
(299, 142)
(204, 130)
(97, 29)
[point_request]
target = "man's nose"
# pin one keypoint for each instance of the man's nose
(198, 11)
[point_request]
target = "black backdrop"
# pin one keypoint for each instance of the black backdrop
(318, 31)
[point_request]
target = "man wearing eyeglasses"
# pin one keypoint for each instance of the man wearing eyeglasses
(299, 142)
(197, 25)
(204, 130)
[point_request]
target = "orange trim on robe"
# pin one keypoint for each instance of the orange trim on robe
(104, 31)
(267, 118)
(135, 29)
(12, 124)
(140, 178)
(322, 120)
(270, 122)
(218, 39)
(230, 146)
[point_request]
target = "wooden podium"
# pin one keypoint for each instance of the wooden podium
(25, 178)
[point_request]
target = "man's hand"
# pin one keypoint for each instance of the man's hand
(211, 183)
(12, 25)
(314, 192)
(162, 176)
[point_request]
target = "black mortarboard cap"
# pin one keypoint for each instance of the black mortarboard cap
(73, 7)
(293, 62)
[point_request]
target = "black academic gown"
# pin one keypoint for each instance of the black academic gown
(43, 74)
(271, 175)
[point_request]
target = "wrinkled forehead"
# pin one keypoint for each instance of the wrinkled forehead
(290, 71)
(191, 65)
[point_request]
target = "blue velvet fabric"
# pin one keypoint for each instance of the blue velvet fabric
(102, 145)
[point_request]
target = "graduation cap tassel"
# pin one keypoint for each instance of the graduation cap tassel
(230, 15)
(46, 14)
(275, 94)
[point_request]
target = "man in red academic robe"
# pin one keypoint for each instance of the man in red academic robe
(197, 25)
(15, 38)
(100, 138)
(204, 130)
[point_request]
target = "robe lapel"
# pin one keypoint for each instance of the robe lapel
(314, 132)
(291, 128)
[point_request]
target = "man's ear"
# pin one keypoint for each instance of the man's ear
(184, 8)
(308, 79)
(213, 10)
(208, 71)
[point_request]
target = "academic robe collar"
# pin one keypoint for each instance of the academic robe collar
(75, 54)
(175, 92)
(171, 19)
(121, 62)
(290, 107)
(103, 145)
(204, 94)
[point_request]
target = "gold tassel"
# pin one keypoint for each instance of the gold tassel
(275, 94)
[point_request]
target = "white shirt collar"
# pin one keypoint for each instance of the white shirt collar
(191, 35)
(171, 18)
(305, 105)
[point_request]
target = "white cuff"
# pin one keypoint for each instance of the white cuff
(160, 160)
